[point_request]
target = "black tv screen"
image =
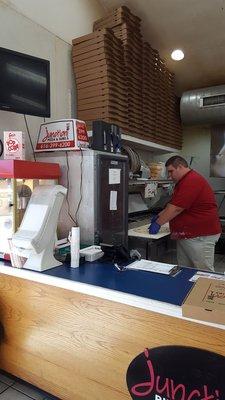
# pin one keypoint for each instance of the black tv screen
(24, 83)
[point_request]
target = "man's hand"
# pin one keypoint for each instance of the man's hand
(154, 228)
(153, 218)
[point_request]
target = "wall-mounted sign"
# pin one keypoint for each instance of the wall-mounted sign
(177, 373)
(151, 189)
(14, 145)
(65, 134)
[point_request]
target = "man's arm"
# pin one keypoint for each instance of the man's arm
(168, 213)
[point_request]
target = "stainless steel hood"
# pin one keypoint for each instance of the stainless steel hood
(203, 106)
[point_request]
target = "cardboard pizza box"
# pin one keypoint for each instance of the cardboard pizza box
(206, 301)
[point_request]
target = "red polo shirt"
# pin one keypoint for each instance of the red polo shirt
(200, 216)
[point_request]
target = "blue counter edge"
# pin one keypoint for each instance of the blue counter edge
(149, 285)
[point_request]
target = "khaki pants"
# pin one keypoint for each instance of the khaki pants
(197, 252)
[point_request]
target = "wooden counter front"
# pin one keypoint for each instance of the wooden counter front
(78, 346)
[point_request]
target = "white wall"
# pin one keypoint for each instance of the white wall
(196, 144)
(67, 19)
(197, 141)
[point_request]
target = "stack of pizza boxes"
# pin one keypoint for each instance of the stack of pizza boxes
(127, 28)
(122, 80)
(100, 78)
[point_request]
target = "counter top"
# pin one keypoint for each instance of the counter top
(150, 291)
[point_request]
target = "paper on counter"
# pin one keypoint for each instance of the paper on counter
(151, 266)
(209, 275)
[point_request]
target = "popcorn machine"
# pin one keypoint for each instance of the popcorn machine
(18, 178)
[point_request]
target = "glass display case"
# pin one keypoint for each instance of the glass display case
(18, 178)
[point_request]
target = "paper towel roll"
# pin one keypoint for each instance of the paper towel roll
(75, 247)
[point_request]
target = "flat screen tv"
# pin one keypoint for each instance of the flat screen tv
(24, 83)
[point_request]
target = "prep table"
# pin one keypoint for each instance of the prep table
(151, 247)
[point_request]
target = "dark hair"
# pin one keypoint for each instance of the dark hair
(175, 161)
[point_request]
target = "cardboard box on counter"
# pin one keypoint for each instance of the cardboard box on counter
(206, 301)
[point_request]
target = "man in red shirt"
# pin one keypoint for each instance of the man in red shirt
(192, 214)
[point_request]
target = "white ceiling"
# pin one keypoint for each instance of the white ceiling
(196, 26)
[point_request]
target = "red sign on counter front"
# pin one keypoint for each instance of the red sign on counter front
(65, 134)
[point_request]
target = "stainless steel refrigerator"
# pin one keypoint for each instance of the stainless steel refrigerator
(103, 211)
(97, 185)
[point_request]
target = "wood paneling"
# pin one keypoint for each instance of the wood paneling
(78, 347)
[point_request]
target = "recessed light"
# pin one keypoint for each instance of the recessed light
(177, 55)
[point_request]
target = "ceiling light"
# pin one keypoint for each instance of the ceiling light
(177, 55)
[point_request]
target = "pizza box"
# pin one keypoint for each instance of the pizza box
(206, 301)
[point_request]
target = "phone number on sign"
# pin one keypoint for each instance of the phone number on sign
(55, 145)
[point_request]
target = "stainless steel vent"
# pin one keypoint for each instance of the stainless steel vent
(211, 101)
(203, 106)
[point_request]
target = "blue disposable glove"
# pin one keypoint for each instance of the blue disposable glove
(154, 228)
(154, 218)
